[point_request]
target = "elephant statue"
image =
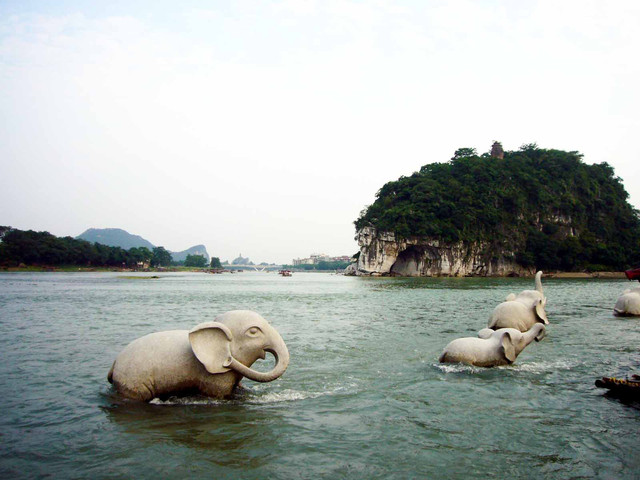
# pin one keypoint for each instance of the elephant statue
(209, 359)
(628, 304)
(492, 348)
(521, 311)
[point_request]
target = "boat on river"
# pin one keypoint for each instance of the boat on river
(285, 273)
(623, 387)
(633, 274)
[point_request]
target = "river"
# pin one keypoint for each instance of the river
(364, 395)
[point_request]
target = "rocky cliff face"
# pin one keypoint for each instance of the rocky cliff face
(381, 253)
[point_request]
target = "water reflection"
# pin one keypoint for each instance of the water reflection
(231, 432)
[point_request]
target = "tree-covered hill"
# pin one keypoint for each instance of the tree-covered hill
(42, 248)
(547, 208)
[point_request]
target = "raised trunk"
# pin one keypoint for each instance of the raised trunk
(537, 333)
(539, 282)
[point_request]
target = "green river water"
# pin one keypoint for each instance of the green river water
(364, 395)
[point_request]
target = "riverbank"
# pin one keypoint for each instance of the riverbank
(585, 275)
(75, 268)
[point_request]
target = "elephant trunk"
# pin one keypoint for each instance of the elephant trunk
(279, 350)
(539, 282)
(537, 333)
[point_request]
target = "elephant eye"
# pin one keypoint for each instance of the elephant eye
(253, 331)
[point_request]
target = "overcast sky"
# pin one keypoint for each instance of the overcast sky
(265, 127)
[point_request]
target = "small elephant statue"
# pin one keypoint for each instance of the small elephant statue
(521, 311)
(628, 304)
(492, 348)
(209, 359)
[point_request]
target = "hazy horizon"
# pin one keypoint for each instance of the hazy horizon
(266, 127)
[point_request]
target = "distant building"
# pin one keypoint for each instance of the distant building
(319, 257)
(316, 258)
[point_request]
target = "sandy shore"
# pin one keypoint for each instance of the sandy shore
(585, 275)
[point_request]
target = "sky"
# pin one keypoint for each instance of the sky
(263, 128)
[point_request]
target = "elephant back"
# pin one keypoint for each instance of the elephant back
(150, 365)
(512, 314)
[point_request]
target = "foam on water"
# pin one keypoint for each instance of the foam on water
(543, 367)
(250, 397)
(531, 367)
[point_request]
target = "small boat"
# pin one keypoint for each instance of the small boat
(623, 387)
(633, 274)
(285, 273)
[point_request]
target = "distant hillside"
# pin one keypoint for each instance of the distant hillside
(115, 237)
(196, 250)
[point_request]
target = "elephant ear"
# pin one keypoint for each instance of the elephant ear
(507, 347)
(211, 344)
(540, 313)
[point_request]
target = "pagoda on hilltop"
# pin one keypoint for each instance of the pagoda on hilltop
(496, 150)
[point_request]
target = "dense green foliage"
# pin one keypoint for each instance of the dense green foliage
(215, 262)
(42, 248)
(321, 266)
(161, 257)
(195, 261)
(546, 207)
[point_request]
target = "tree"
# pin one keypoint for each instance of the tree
(464, 152)
(139, 254)
(161, 257)
(195, 261)
(215, 262)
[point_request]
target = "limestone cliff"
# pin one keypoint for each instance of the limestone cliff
(382, 253)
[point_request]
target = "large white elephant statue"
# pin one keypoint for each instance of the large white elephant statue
(521, 311)
(628, 304)
(491, 348)
(209, 359)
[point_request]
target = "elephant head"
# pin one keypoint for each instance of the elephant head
(521, 311)
(513, 341)
(535, 298)
(236, 339)
(628, 304)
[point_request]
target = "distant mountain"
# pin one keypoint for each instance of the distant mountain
(196, 250)
(115, 237)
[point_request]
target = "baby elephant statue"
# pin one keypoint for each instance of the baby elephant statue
(209, 359)
(628, 304)
(521, 311)
(492, 348)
